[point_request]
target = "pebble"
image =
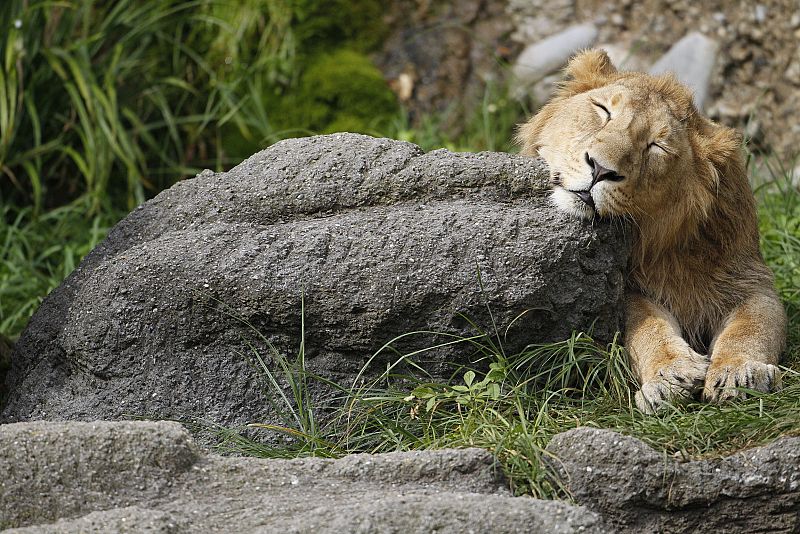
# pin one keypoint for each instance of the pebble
(760, 13)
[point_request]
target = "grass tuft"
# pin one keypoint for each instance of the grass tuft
(38, 252)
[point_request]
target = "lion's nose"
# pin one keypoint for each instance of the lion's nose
(600, 173)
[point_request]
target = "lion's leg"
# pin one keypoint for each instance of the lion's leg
(746, 350)
(667, 368)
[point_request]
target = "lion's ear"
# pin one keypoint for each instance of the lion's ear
(722, 148)
(587, 70)
(529, 134)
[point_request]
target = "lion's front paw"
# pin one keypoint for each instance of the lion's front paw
(676, 381)
(723, 379)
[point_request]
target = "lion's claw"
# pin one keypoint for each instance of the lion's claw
(677, 381)
(723, 381)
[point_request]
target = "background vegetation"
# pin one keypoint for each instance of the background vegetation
(103, 104)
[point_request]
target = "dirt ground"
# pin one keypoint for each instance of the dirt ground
(756, 83)
(446, 51)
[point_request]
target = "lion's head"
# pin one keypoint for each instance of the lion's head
(629, 144)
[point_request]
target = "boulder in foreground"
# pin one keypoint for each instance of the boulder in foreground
(638, 489)
(142, 476)
(164, 317)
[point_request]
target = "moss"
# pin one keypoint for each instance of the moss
(337, 88)
(322, 24)
(342, 91)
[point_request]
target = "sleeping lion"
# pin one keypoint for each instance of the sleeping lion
(702, 312)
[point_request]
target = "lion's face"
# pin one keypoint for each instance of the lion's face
(613, 149)
(625, 144)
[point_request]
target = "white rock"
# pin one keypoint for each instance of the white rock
(692, 60)
(760, 13)
(544, 88)
(541, 58)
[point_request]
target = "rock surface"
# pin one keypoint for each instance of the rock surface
(162, 318)
(550, 54)
(640, 490)
(692, 61)
(143, 476)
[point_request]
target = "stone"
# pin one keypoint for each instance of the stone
(542, 58)
(692, 61)
(760, 13)
(54, 470)
(148, 477)
(6, 348)
(535, 19)
(638, 489)
(365, 238)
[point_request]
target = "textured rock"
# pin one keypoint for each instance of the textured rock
(640, 490)
(160, 484)
(52, 470)
(6, 348)
(541, 58)
(692, 61)
(161, 319)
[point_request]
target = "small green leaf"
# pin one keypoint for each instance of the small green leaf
(423, 392)
(430, 404)
(469, 377)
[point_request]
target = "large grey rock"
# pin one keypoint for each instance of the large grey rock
(640, 490)
(550, 54)
(6, 348)
(148, 477)
(692, 61)
(162, 318)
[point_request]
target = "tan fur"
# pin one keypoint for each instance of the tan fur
(698, 285)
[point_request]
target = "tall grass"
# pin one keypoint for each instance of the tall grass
(114, 101)
(110, 100)
(38, 252)
(779, 221)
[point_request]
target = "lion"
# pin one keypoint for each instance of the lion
(702, 315)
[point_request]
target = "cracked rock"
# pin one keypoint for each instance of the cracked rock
(149, 477)
(371, 238)
(641, 490)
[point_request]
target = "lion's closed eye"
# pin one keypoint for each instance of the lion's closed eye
(602, 110)
(657, 148)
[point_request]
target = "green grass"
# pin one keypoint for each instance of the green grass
(38, 252)
(779, 224)
(114, 101)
